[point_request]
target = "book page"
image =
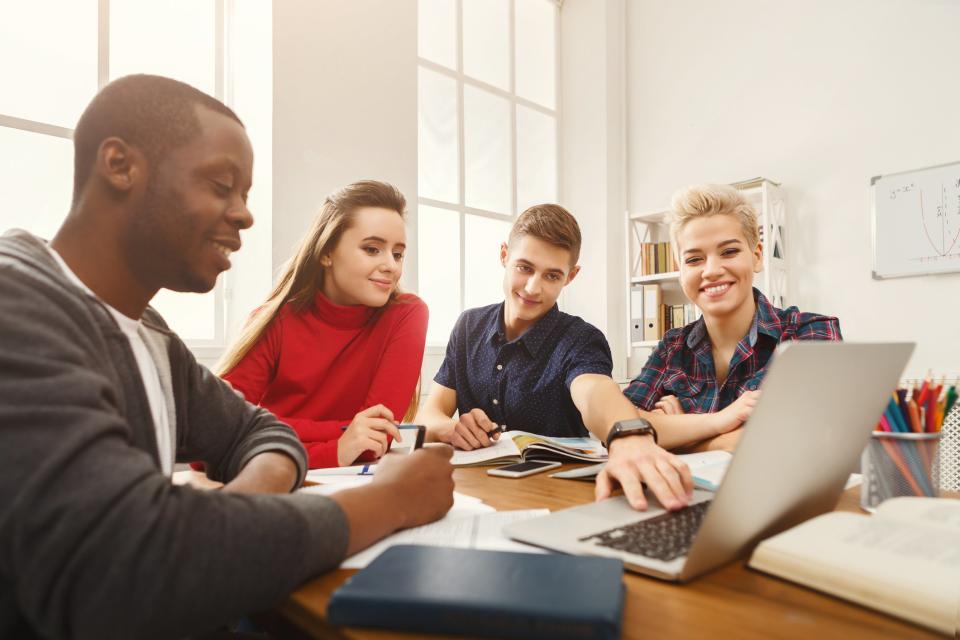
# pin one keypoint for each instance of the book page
(581, 448)
(899, 567)
(505, 449)
(938, 512)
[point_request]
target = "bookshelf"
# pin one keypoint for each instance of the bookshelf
(767, 198)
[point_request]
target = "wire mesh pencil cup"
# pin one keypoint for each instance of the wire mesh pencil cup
(899, 464)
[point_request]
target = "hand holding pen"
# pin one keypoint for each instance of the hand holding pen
(474, 430)
(367, 432)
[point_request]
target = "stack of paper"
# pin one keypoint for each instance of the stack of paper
(470, 524)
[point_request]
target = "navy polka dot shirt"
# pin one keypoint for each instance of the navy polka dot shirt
(525, 383)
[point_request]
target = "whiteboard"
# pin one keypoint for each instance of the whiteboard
(916, 222)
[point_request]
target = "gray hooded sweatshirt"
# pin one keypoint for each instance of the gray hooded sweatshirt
(95, 542)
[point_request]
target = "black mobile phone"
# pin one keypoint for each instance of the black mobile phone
(413, 436)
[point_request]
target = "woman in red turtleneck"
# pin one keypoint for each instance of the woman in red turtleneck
(336, 350)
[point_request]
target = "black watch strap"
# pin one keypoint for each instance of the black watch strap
(635, 427)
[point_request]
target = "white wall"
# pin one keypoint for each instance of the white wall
(592, 161)
(345, 109)
(345, 106)
(819, 95)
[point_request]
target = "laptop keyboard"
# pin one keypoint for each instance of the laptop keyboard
(662, 537)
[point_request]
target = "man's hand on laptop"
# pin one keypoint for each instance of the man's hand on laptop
(636, 460)
(474, 430)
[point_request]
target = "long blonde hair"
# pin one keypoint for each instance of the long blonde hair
(303, 275)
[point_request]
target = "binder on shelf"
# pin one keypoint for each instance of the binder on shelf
(636, 313)
(651, 312)
(678, 316)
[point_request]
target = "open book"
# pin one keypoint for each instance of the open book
(516, 446)
(903, 561)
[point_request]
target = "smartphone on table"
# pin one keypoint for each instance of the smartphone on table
(413, 436)
(522, 469)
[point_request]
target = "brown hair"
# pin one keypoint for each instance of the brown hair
(303, 274)
(550, 223)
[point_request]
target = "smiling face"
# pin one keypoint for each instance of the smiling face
(365, 266)
(717, 264)
(193, 208)
(535, 274)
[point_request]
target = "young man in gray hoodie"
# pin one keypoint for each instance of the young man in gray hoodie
(98, 399)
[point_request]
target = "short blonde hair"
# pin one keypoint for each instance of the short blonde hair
(550, 223)
(708, 200)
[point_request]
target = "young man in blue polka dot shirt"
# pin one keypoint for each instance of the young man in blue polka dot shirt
(524, 364)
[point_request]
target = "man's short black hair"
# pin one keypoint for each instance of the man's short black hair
(152, 113)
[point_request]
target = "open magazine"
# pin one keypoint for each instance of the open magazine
(517, 446)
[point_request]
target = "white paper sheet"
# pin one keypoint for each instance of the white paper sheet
(465, 527)
(333, 484)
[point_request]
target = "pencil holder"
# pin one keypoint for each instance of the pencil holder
(899, 464)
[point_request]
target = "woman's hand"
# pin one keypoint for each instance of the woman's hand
(367, 432)
(669, 405)
(736, 413)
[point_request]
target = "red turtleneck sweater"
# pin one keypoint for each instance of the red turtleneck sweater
(316, 370)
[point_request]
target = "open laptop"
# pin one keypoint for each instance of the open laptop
(820, 402)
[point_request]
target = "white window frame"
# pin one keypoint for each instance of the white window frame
(511, 96)
(202, 348)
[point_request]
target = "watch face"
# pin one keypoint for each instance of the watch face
(638, 424)
(629, 427)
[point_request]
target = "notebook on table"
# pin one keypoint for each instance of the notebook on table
(477, 593)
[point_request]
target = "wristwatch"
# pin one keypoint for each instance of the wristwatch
(635, 427)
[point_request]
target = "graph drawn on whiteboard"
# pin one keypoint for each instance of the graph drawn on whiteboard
(916, 222)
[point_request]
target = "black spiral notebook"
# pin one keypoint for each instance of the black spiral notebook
(479, 593)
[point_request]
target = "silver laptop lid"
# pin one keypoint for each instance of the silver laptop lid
(820, 402)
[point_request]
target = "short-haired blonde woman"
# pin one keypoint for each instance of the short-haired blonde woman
(335, 351)
(701, 381)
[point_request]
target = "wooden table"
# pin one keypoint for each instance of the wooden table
(732, 602)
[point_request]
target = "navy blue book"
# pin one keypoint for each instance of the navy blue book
(494, 594)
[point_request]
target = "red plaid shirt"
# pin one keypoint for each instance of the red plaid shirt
(682, 364)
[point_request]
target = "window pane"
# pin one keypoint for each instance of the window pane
(487, 150)
(48, 50)
(438, 138)
(437, 36)
(536, 158)
(190, 315)
(536, 51)
(250, 73)
(483, 273)
(438, 266)
(486, 41)
(174, 38)
(36, 181)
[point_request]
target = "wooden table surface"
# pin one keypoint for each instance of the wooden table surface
(732, 602)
